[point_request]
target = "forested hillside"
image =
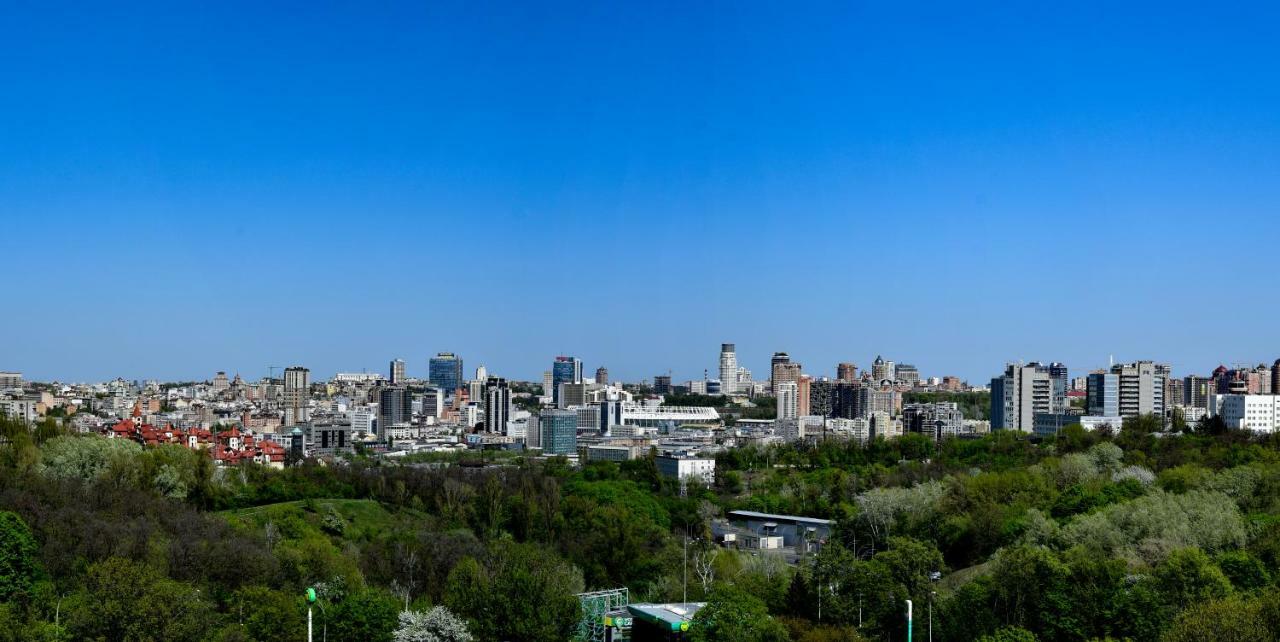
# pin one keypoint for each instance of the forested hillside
(1137, 536)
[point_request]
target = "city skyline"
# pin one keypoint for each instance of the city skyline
(186, 191)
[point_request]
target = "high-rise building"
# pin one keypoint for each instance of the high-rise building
(804, 389)
(846, 372)
(559, 431)
(497, 405)
(906, 374)
(432, 403)
(1061, 381)
(395, 408)
(728, 369)
(1102, 394)
(788, 400)
(1018, 395)
(564, 370)
(1196, 391)
(602, 375)
(296, 395)
(782, 369)
(829, 398)
(547, 385)
(220, 382)
(1141, 388)
(875, 399)
(882, 370)
(1275, 377)
(662, 385)
(445, 373)
(397, 371)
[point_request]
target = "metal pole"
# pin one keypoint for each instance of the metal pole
(308, 624)
(931, 616)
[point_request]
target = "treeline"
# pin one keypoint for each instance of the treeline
(1088, 536)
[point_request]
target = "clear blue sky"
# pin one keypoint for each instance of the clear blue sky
(228, 186)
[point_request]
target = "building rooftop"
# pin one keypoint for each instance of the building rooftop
(780, 518)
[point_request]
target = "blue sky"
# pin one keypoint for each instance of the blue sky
(189, 188)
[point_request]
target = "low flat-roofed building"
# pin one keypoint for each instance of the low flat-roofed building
(793, 529)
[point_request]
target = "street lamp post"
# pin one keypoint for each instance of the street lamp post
(311, 599)
(908, 620)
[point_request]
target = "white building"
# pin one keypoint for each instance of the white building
(362, 418)
(728, 369)
(788, 400)
(698, 468)
(1258, 413)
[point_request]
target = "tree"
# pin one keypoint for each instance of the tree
(538, 588)
(733, 615)
(1230, 619)
(1009, 634)
(437, 625)
(268, 615)
(369, 614)
(18, 551)
(1189, 577)
(126, 600)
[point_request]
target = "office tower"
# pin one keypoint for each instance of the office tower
(602, 376)
(432, 403)
(564, 370)
(1196, 391)
(482, 374)
(662, 385)
(497, 405)
(846, 372)
(1102, 394)
(445, 373)
(397, 372)
(220, 382)
(573, 394)
(782, 370)
(1018, 395)
(728, 369)
(297, 393)
(788, 400)
(908, 374)
(475, 390)
(1141, 388)
(546, 383)
(559, 431)
(804, 389)
(1275, 377)
(1061, 380)
(395, 408)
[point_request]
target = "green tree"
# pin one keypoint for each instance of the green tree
(268, 615)
(127, 601)
(18, 562)
(1189, 577)
(733, 615)
(1226, 620)
(538, 589)
(1009, 634)
(369, 614)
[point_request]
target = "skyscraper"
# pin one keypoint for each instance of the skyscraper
(297, 393)
(728, 369)
(397, 371)
(1060, 380)
(846, 372)
(564, 370)
(882, 370)
(497, 404)
(559, 431)
(1141, 388)
(602, 375)
(395, 408)
(1019, 395)
(788, 400)
(445, 372)
(782, 370)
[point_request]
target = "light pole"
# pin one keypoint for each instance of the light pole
(934, 576)
(311, 599)
(908, 620)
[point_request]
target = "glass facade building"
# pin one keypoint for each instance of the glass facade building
(559, 431)
(445, 372)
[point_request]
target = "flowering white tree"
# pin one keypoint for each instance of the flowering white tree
(437, 625)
